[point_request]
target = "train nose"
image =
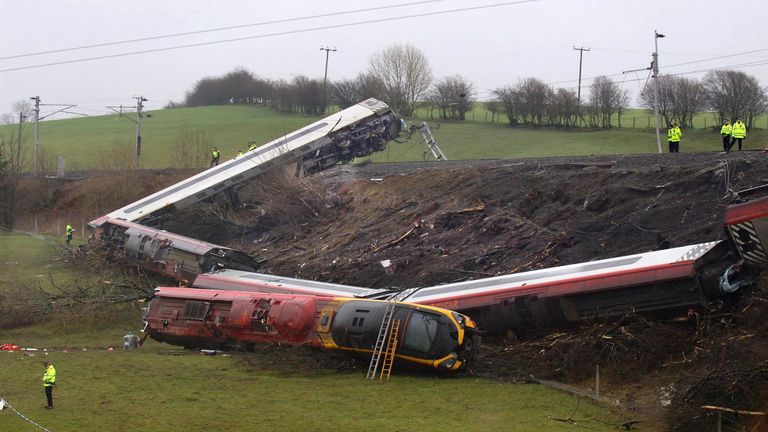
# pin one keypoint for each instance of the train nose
(469, 349)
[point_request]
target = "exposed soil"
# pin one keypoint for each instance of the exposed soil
(439, 223)
(442, 223)
(453, 221)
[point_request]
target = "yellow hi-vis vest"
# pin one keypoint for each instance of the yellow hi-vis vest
(69, 229)
(674, 134)
(726, 129)
(739, 130)
(49, 377)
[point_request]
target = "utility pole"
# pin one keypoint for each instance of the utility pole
(37, 132)
(18, 146)
(139, 106)
(578, 96)
(325, 77)
(656, 37)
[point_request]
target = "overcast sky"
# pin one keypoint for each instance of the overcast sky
(492, 43)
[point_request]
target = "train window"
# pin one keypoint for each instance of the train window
(421, 333)
(362, 310)
(195, 310)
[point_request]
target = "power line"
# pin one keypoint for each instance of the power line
(719, 57)
(674, 65)
(311, 29)
(218, 29)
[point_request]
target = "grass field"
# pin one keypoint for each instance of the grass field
(164, 388)
(182, 138)
(30, 260)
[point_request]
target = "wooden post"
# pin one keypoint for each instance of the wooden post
(719, 422)
(35, 224)
(597, 381)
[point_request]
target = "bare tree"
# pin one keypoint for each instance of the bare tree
(510, 99)
(563, 110)
(405, 75)
(534, 97)
(453, 96)
(21, 106)
(494, 106)
(309, 95)
(679, 99)
(606, 98)
(349, 92)
(732, 94)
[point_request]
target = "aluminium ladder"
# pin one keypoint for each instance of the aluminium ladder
(381, 341)
(430, 142)
(389, 354)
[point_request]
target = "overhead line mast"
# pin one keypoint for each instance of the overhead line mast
(656, 37)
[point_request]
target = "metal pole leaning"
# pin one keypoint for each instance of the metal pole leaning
(657, 35)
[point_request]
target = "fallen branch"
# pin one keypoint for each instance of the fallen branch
(405, 236)
(732, 411)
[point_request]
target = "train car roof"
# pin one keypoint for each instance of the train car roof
(612, 273)
(211, 294)
(248, 281)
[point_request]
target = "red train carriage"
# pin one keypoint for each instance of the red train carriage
(220, 319)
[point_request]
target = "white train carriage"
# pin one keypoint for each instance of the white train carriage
(356, 131)
(671, 279)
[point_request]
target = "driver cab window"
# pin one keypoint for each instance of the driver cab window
(421, 333)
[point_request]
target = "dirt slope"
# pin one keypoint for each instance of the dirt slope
(439, 223)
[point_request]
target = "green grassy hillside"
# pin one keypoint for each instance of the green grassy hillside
(184, 137)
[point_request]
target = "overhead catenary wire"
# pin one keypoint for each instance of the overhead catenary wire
(281, 33)
(218, 29)
(675, 65)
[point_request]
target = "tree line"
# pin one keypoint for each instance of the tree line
(401, 76)
(728, 94)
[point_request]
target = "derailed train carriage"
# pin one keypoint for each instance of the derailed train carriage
(233, 306)
(693, 276)
(221, 319)
(164, 253)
